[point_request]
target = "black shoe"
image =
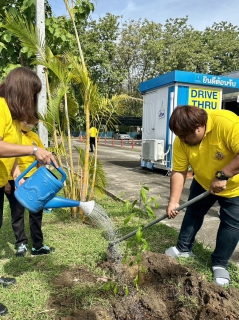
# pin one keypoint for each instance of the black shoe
(43, 250)
(7, 281)
(21, 250)
(3, 310)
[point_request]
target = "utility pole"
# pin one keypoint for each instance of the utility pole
(42, 104)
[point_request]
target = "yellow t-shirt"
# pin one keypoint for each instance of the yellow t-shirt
(219, 146)
(93, 132)
(30, 139)
(9, 132)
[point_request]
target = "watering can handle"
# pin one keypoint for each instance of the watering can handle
(62, 172)
(22, 175)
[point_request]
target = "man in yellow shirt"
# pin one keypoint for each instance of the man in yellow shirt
(93, 133)
(209, 142)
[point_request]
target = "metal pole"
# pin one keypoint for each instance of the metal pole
(186, 204)
(42, 101)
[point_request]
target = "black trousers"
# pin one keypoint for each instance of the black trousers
(92, 143)
(228, 231)
(17, 213)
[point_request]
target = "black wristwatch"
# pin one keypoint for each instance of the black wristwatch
(220, 175)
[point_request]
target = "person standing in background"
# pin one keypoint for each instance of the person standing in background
(17, 210)
(93, 133)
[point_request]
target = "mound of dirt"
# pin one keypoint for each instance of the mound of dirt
(169, 291)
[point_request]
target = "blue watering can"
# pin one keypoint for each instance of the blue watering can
(39, 191)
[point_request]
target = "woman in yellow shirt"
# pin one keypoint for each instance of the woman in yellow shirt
(19, 91)
(18, 102)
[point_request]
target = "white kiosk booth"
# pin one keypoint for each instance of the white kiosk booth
(164, 93)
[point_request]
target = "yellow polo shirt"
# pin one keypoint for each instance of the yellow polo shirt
(9, 132)
(29, 139)
(93, 132)
(219, 146)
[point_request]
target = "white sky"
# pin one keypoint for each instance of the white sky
(201, 13)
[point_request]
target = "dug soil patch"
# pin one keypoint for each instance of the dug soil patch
(168, 291)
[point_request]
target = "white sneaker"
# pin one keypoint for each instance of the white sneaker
(175, 253)
(221, 276)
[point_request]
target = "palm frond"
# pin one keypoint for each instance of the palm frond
(26, 32)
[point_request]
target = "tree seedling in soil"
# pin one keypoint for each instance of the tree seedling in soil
(143, 203)
(111, 285)
(139, 243)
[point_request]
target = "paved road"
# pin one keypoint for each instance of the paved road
(125, 178)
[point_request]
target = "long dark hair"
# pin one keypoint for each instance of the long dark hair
(187, 119)
(20, 89)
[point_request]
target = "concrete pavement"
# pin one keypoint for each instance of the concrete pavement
(125, 178)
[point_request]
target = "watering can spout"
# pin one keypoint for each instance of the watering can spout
(87, 207)
(60, 202)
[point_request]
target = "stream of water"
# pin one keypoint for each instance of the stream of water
(101, 220)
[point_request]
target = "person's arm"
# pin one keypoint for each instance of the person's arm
(178, 177)
(16, 172)
(230, 170)
(231, 140)
(177, 181)
(7, 188)
(9, 150)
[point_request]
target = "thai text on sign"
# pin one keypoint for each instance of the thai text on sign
(205, 98)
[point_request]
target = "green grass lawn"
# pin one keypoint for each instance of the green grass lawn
(77, 245)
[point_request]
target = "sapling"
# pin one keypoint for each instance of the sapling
(139, 243)
(111, 285)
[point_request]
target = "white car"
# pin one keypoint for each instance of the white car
(121, 136)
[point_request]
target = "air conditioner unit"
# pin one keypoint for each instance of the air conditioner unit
(153, 150)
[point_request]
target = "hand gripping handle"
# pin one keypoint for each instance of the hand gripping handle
(201, 196)
(23, 174)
